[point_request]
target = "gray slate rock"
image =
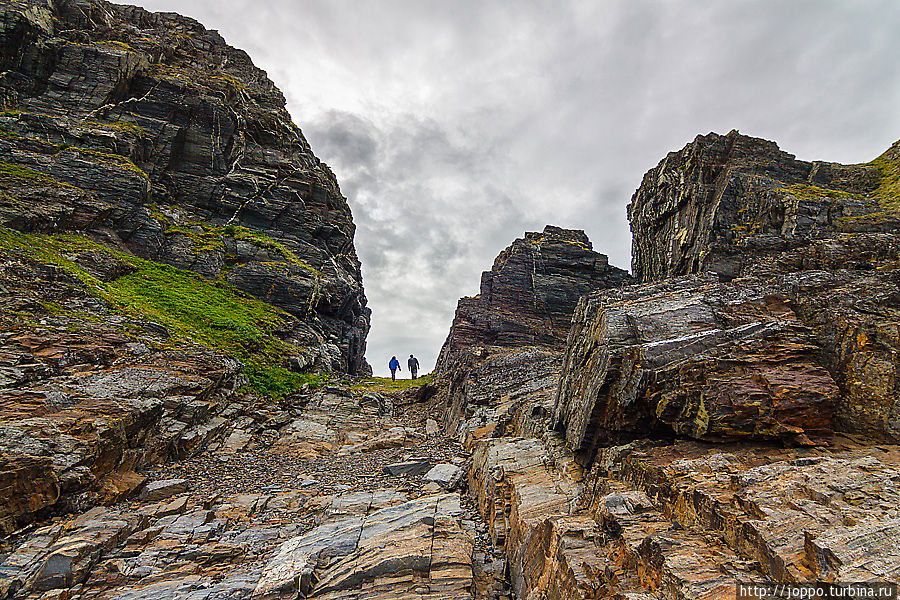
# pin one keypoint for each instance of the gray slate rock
(446, 475)
(415, 466)
(163, 489)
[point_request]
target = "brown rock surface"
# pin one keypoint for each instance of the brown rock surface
(686, 520)
(693, 357)
(739, 206)
(88, 397)
(271, 519)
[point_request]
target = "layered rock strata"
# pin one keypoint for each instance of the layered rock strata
(290, 501)
(765, 318)
(740, 207)
(504, 347)
(90, 396)
(152, 134)
(686, 520)
(169, 246)
(528, 296)
(693, 357)
(732, 204)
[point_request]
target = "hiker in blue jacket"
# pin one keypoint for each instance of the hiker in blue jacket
(393, 366)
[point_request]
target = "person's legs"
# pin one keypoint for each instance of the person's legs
(414, 374)
(393, 374)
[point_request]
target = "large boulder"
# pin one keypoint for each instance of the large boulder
(695, 357)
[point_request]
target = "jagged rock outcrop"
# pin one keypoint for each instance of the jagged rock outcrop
(732, 204)
(293, 501)
(89, 396)
(686, 520)
(826, 234)
(170, 250)
(695, 357)
(528, 296)
(767, 311)
(152, 133)
(504, 348)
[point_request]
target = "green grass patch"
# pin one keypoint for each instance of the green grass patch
(261, 240)
(888, 191)
(125, 127)
(278, 382)
(117, 44)
(383, 385)
(191, 307)
(20, 174)
(210, 313)
(814, 192)
(205, 241)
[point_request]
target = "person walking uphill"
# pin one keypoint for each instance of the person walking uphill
(393, 366)
(413, 364)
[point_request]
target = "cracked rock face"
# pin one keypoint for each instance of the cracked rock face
(824, 234)
(728, 204)
(503, 353)
(693, 357)
(528, 297)
(152, 130)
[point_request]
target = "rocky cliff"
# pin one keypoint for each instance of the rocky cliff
(734, 205)
(150, 134)
(174, 263)
(505, 345)
(822, 237)
(171, 251)
(732, 416)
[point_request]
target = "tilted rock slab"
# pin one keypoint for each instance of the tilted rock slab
(739, 206)
(414, 549)
(694, 357)
(686, 520)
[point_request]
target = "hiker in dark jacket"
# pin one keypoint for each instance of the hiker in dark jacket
(413, 364)
(393, 366)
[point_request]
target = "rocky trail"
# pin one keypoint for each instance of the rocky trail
(346, 496)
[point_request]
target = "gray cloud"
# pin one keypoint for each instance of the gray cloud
(454, 127)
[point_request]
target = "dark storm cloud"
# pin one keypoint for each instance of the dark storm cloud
(455, 126)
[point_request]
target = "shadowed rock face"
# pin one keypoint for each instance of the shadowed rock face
(528, 297)
(503, 351)
(152, 130)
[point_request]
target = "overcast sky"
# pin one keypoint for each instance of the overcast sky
(455, 126)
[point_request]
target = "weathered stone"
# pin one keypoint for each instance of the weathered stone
(506, 342)
(388, 549)
(291, 569)
(414, 466)
(694, 357)
(163, 489)
(151, 131)
(448, 476)
(739, 206)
